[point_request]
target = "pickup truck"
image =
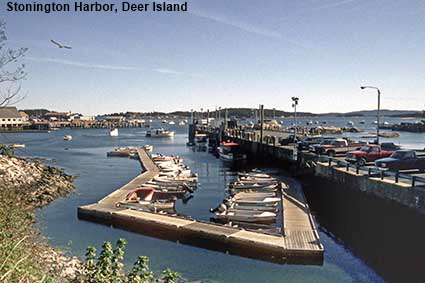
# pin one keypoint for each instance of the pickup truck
(325, 141)
(402, 160)
(367, 153)
(337, 146)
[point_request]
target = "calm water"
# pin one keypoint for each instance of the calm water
(85, 156)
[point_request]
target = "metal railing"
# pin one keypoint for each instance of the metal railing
(397, 177)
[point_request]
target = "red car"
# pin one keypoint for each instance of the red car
(367, 153)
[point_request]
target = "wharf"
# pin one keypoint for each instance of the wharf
(301, 243)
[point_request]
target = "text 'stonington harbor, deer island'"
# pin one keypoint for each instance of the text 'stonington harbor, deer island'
(96, 7)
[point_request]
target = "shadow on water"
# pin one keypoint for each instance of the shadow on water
(387, 236)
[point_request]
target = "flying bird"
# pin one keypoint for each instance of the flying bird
(60, 45)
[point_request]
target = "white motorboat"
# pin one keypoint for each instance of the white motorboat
(67, 138)
(247, 216)
(113, 132)
(159, 133)
(171, 123)
(17, 145)
(148, 147)
(268, 201)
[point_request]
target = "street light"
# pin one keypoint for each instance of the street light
(379, 108)
(294, 104)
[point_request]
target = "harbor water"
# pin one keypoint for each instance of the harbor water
(98, 175)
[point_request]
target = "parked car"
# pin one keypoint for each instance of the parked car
(367, 153)
(289, 140)
(306, 142)
(402, 160)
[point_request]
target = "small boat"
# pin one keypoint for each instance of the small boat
(230, 151)
(254, 175)
(247, 216)
(67, 138)
(113, 132)
(268, 201)
(362, 122)
(350, 123)
(148, 147)
(182, 123)
(17, 145)
(145, 197)
(164, 121)
(375, 122)
(254, 187)
(159, 133)
(308, 123)
(171, 123)
(201, 140)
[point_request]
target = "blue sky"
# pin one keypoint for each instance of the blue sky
(228, 53)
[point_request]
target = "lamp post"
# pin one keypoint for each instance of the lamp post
(379, 108)
(294, 104)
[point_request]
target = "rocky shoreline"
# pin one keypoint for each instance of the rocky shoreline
(36, 185)
(39, 184)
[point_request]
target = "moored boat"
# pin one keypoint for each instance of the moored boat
(67, 138)
(113, 132)
(230, 151)
(159, 133)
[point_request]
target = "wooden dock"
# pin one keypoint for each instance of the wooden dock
(301, 243)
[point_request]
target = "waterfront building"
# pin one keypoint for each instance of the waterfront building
(10, 119)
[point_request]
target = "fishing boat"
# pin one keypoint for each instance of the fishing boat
(113, 132)
(159, 133)
(230, 151)
(67, 138)
(201, 140)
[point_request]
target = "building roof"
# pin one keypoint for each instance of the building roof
(23, 114)
(9, 112)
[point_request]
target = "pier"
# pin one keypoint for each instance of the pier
(405, 188)
(299, 244)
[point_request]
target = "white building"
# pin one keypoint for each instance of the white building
(10, 118)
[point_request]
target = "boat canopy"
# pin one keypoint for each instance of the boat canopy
(229, 144)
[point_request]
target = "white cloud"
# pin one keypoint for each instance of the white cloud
(109, 67)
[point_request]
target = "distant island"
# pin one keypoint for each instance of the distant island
(247, 113)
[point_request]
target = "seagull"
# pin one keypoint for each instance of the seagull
(60, 45)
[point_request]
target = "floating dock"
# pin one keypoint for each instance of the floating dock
(300, 244)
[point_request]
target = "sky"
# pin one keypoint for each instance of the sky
(227, 53)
